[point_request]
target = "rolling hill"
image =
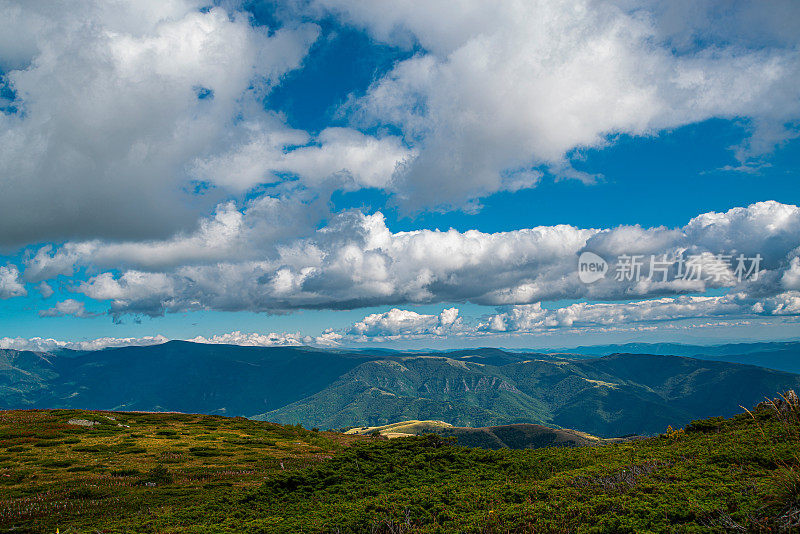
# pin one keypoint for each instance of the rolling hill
(520, 436)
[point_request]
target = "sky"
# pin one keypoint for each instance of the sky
(401, 174)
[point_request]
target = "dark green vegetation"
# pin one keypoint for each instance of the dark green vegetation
(171, 473)
(611, 396)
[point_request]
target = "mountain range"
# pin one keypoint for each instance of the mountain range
(783, 355)
(611, 395)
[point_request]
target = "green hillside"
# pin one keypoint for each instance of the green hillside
(174, 473)
(421, 387)
(612, 396)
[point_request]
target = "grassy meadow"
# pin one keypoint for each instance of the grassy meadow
(87, 470)
(176, 473)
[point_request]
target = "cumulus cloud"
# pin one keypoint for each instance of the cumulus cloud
(256, 340)
(47, 344)
(734, 308)
(398, 323)
(329, 338)
(352, 262)
(134, 139)
(534, 318)
(115, 102)
(343, 157)
(403, 325)
(68, 307)
(45, 290)
(10, 283)
(500, 90)
(232, 338)
(791, 277)
(252, 233)
(357, 261)
(139, 118)
(118, 111)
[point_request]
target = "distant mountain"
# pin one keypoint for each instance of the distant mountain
(24, 377)
(783, 356)
(520, 436)
(677, 349)
(175, 376)
(609, 396)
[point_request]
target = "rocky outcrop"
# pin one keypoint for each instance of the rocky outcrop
(783, 404)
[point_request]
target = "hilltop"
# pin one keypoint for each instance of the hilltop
(519, 436)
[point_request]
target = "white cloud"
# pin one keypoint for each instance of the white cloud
(357, 261)
(255, 232)
(534, 318)
(255, 339)
(341, 156)
(398, 323)
(45, 290)
(735, 309)
(502, 88)
(787, 303)
(124, 105)
(47, 344)
(232, 338)
(111, 115)
(10, 284)
(791, 278)
(354, 261)
(68, 307)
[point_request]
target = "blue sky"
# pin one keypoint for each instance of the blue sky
(281, 201)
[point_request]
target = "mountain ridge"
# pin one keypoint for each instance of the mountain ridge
(612, 395)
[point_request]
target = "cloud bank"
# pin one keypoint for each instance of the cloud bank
(129, 122)
(404, 325)
(39, 344)
(502, 90)
(357, 261)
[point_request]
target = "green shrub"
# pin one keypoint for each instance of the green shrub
(158, 475)
(56, 463)
(47, 443)
(125, 472)
(712, 424)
